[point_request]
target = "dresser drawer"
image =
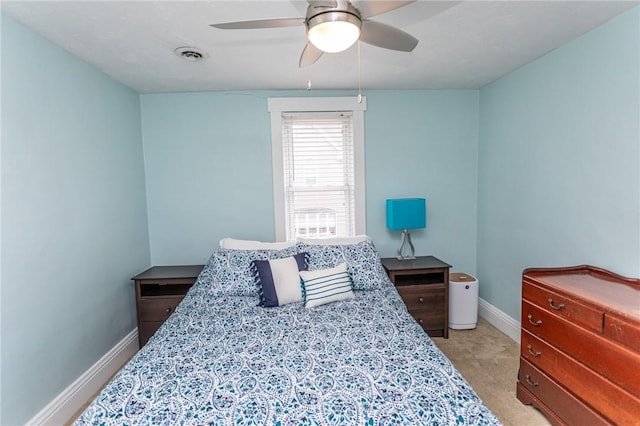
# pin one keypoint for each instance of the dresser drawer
(579, 313)
(608, 399)
(555, 398)
(157, 308)
(419, 297)
(623, 330)
(618, 364)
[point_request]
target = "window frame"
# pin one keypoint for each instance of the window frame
(276, 106)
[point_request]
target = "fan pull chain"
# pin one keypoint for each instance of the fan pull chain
(359, 76)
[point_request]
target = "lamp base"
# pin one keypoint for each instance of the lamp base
(406, 238)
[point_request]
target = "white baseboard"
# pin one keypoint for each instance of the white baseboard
(499, 320)
(66, 405)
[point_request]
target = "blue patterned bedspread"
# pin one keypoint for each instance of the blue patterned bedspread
(220, 359)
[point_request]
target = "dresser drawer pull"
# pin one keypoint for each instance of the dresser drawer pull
(421, 300)
(167, 310)
(535, 354)
(528, 379)
(558, 307)
(421, 321)
(535, 324)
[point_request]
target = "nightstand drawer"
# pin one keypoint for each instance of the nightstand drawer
(423, 284)
(158, 308)
(159, 290)
(429, 319)
(146, 330)
(419, 297)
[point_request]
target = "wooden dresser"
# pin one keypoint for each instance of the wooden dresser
(159, 289)
(580, 346)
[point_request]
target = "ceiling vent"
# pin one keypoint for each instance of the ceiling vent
(191, 54)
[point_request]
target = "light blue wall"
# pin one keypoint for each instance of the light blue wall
(559, 163)
(74, 226)
(554, 148)
(208, 169)
(424, 144)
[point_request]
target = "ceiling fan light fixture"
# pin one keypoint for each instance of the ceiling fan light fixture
(335, 31)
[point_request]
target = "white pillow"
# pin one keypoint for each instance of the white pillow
(334, 241)
(233, 244)
(326, 285)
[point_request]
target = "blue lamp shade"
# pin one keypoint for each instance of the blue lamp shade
(406, 213)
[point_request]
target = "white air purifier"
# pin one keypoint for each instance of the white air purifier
(463, 301)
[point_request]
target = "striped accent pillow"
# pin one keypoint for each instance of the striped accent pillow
(326, 285)
(279, 280)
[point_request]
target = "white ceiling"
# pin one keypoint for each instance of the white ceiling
(463, 44)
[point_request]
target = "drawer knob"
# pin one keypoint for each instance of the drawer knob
(532, 383)
(420, 321)
(556, 307)
(535, 354)
(421, 300)
(536, 323)
(167, 310)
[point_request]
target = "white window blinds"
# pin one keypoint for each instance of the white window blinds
(319, 176)
(317, 150)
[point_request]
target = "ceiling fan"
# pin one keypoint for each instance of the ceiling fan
(335, 25)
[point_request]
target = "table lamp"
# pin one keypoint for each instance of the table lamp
(405, 214)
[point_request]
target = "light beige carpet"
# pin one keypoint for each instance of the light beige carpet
(488, 360)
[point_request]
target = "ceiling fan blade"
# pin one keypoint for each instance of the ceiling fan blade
(374, 8)
(383, 35)
(260, 23)
(310, 55)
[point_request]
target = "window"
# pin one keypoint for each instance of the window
(318, 166)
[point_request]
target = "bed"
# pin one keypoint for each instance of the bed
(224, 358)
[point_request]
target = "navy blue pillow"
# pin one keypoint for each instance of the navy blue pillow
(279, 279)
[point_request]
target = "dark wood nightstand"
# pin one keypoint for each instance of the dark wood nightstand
(159, 289)
(423, 284)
